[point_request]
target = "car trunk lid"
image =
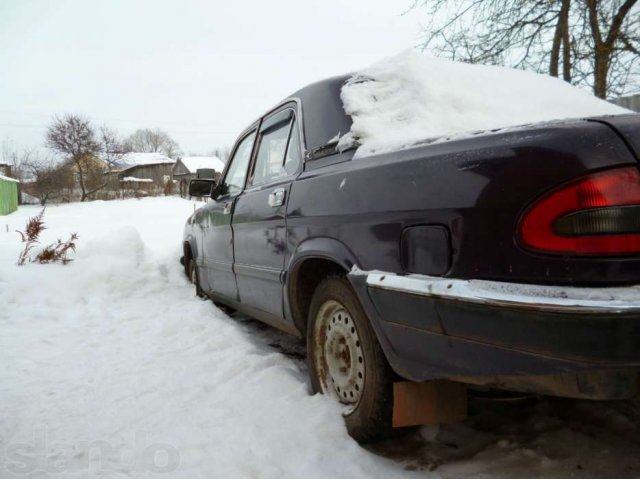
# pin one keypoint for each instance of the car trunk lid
(628, 127)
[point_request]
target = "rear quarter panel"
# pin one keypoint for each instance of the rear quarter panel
(477, 187)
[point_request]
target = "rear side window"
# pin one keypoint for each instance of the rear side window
(293, 156)
(279, 149)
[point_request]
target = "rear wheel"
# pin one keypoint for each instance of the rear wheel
(346, 361)
(194, 277)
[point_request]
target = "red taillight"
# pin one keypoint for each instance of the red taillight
(595, 215)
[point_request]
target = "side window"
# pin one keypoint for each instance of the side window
(294, 157)
(234, 179)
(279, 150)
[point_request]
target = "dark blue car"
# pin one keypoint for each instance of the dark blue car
(507, 259)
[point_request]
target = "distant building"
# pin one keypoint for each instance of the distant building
(154, 167)
(5, 169)
(9, 195)
(632, 102)
(188, 168)
(139, 186)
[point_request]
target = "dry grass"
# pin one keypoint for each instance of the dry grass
(55, 252)
(30, 236)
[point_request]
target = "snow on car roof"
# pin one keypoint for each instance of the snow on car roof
(411, 97)
(139, 158)
(195, 163)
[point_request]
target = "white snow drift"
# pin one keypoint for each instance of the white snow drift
(111, 367)
(412, 97)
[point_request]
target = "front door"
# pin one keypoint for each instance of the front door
(218, 234)
(259, 222)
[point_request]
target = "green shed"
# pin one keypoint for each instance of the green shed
(8, 195)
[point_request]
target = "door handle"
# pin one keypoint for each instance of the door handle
(227, 208)
(276, 198)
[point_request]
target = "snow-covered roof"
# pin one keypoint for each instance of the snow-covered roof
(196, 163)
(412, 97)
(9, 179)
(134, 179)
(134, 159)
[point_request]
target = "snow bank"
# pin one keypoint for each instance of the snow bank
(412, 97)
(111, 367)
(111, 359)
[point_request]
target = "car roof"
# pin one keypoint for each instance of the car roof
(322, 111)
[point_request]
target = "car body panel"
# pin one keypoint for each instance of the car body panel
(627, 127)
(462, 198)
(477, 188)
(217, 247)
(428, 337)
(260, 246)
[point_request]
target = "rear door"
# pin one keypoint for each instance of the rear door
(218, 234)
(259, 221)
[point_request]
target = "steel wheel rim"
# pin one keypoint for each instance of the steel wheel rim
(338, 355)
(194, 276)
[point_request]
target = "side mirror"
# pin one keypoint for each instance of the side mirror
(201, 187)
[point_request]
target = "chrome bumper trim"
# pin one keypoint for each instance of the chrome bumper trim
(512, 295)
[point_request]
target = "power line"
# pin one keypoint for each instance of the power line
(116, 121)
(188, 132)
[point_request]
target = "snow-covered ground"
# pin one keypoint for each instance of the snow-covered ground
(110, 366)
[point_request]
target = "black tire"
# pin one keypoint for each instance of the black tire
(195, 277)
(368, 418)
(225, 308)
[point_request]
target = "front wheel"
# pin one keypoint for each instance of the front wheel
(194, 277)
(346, 361)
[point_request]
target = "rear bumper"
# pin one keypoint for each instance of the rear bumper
(511, 295)
(443, 328)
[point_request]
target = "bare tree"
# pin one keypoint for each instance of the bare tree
(590, 42)
(91, 154)
(562, 42)
(14, 158)
(148, 140)
(112, 147)
(611, 44)
(9, 155)
(49, 178)
(74, 137)
(222, 153)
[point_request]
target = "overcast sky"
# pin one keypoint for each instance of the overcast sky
(201, 70)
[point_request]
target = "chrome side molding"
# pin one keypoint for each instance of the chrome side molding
(513, 295)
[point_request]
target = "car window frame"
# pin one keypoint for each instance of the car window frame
(252, 130)
(294, 106)
(268, 126)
